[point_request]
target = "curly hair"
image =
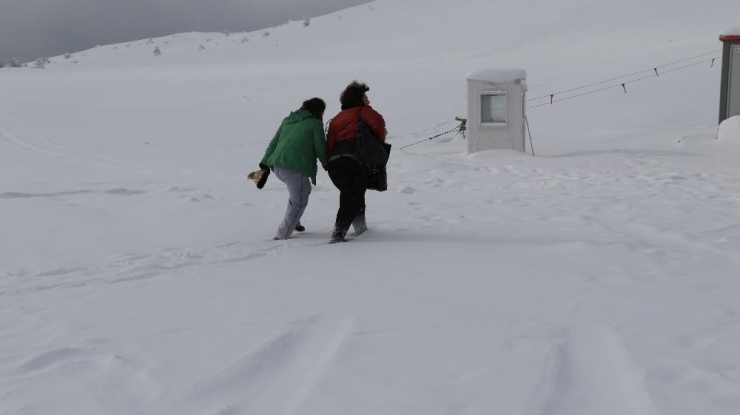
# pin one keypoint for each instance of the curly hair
(352, 94)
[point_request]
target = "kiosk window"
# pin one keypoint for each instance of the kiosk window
(493, 108)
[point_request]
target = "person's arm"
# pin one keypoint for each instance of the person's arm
(331, 138)
(319, 143)
(376, 122)
(272, 145)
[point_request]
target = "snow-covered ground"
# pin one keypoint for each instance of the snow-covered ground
(601, 277)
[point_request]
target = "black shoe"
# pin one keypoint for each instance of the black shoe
(337, 235)
(299, 228)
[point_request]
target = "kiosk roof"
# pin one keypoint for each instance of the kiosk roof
(732, 33)
(498, 75)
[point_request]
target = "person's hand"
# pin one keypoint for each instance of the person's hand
(264, 167)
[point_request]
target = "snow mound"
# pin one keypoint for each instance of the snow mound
(729, 130)
(722, 140)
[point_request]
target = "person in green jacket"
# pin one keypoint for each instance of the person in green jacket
(292, 156)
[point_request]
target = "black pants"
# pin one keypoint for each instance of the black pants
(350, 177)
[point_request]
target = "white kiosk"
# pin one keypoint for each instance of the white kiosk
(729, 99)
(496, 99)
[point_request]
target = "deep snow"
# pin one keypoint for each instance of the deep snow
(137, 274)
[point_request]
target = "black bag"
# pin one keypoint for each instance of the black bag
(377, 179)
(374, 154)
(370, 151)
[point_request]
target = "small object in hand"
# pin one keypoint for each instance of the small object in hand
(259, 177)
(256, 175)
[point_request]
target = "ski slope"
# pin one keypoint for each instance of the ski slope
(600, 276)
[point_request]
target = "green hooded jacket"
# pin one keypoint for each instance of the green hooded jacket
(297, 144)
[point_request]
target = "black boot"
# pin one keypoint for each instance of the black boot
(299, 227)
(337, 235)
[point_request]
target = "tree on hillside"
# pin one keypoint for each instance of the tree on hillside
(11, 63)
(41, 62)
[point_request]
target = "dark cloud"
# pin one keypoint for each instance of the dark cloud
(36, 28)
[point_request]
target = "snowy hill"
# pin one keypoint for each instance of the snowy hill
(138, 275)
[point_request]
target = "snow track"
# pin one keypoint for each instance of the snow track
(591, 373)
(25, 135)
(279, 375)
(143, 266)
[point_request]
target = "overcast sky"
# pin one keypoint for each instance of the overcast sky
(41, 28)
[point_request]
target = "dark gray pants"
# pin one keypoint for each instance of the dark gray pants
(350, 177)
(299, 188)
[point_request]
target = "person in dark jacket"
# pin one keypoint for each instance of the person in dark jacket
(345, 171)
(292, 156)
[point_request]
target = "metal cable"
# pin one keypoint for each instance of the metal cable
(625, 76)
(622, 84)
